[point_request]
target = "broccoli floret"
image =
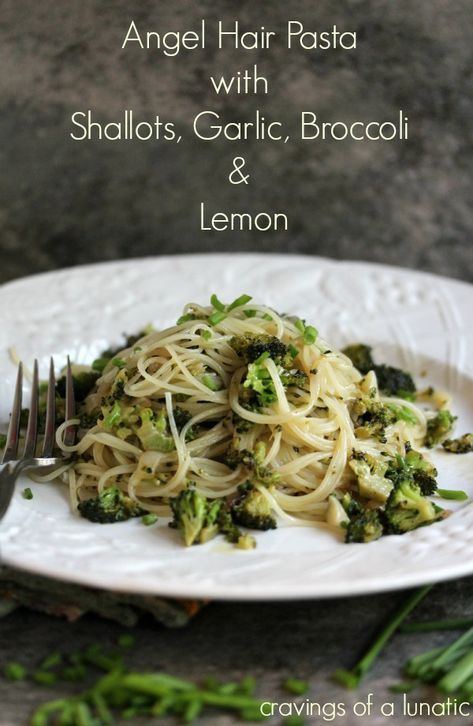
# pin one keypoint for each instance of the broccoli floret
(111, 505)
(370, 473)
(391, 381)
(253, 510)
(259, 380)
(462, 445)
(83, 383)
(438, 428)
(394, 381)
(241, 425)
(360, 356)
(364, 527)
(200, 520)
(153, 432)
(228, 527)
(252, 462)
(371, 418)
(211, 525)
(423, 472)
(350, 505)
(416, 468)
(407, 508)
(190, 510)
(251, 346)
(293, 377)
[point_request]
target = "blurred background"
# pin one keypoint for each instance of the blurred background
(406, 203)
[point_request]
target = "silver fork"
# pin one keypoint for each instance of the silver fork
(16, 464)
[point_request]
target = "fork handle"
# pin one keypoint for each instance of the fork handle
(8, 477)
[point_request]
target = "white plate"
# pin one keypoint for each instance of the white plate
(420, 321)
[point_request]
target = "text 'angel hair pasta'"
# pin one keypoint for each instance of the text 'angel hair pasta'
(237, 397)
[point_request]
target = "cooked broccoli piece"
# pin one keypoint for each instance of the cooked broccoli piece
(241, 425)
(228, 527)
(253, 510)
(246, 542)
(416, 468)
(293, 377)
(83, 383)
(407, 508)
(251, 346)
(181, 417)
(462, 445)
(391, 381)
(364, 527)
(200, 520)
(371, 418)
(191, 516)
(256, 472)
(395, 382)
(423, 471)
(350, 505)
(154, 433)
(360, 356)
(370, 473)
(118, 385)
(259, 380)
(438, 428)
(111, 505)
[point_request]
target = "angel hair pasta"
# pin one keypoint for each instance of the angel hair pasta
(238, 416)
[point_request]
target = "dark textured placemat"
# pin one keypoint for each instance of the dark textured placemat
(70, 601)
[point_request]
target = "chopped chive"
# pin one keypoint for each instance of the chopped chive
(267, 316)
(216, 303)
(192, 711)
(242, 300)
(217, 317)
(296, 686)
(46, 678)
(187, 317)
(206, 334)
(293, 350)
(118, 363)
(101, 707)
(41, 715)
(99, 364)
(455, 494)
(149, 519)
(403, 414)
(247, 685)
(126, 640)
(83, 715)
(15, 672)
(51, 661)
(27, 493)
(352, 678)
(300, 325)
(249, 313)
(310, 335)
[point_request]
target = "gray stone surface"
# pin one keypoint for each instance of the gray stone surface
(63, 203)
(269, 640)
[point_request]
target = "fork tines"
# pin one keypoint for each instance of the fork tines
(31, 437)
